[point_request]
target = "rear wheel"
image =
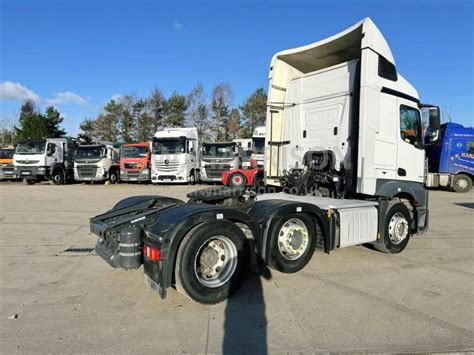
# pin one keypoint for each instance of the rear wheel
(211, 261)
(57, 177)
(397, 230)
(236, 180)
(461, 183)
(293, 240)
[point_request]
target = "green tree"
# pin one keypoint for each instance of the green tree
(156, 107)
(34, 125)
(127, 121)
(88, 128)
(254, 110)
(53, 120)
(175, 109)
(144, 120)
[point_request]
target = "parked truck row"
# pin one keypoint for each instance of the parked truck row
(174, 155)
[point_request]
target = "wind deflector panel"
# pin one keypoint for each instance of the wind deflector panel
(337, 51)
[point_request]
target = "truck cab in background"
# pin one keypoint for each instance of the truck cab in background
(217, 158)
(451, 158)
(97, 162)
(246, 151)
(45, 159)
(135, 162)
(7, 170)
(258, 147)
(175, 156)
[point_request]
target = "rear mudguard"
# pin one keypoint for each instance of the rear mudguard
(175, 222)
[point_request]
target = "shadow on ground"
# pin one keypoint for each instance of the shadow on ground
(245, 326)
(466, 204)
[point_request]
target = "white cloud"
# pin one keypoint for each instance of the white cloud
(66, 97)
(178, 26)
(10, 91)
(16, 92)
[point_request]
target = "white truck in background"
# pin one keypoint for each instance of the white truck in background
(97, 162)
(50, 159)
(258, 147)
(246, 153)
(175, 156)
(217, 158)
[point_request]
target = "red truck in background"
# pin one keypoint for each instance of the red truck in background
(135, 162)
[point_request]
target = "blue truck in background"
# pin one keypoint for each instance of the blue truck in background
(451, 158)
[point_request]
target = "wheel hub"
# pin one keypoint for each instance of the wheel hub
(398, 228)
(461, 183)
(293, 239)
(216, 262)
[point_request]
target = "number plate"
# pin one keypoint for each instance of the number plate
(25, 173)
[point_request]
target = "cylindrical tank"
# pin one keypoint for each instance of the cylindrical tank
(130, 247)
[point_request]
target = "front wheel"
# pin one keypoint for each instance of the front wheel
(397, 230)
(58, 177)
(113, 177)
(293, 240)
(192, 178)
(211, 262)
(461, 183)
(28, 181)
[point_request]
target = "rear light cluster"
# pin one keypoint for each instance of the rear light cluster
(152, 253)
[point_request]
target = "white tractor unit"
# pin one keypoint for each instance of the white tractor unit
(175, 156)
(344, 158)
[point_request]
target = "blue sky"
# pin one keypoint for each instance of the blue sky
(78, 54)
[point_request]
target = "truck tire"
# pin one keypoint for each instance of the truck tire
(461, 183)
(28, 181)
(192, 178)
(211, 262)
(57, 177)
(293, 240)
(236, 180)
(113, 177)
(396, 230)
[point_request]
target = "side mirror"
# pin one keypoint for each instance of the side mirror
(432, 118)
(191, 146)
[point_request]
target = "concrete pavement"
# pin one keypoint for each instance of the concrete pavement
(354, 299)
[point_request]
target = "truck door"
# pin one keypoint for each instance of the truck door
(410, 150)
(54, 153)
(460, 156)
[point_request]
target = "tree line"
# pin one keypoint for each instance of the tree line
(132, 119)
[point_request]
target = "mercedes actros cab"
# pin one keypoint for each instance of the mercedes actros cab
(97, 162)
(135, 162)
(50, 159)
(175, 156)
(217, 158)
(344, 155)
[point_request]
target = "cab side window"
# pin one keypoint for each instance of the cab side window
(410, 125)
(470, 147)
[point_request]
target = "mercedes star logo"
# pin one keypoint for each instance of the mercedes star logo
(167, 161)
